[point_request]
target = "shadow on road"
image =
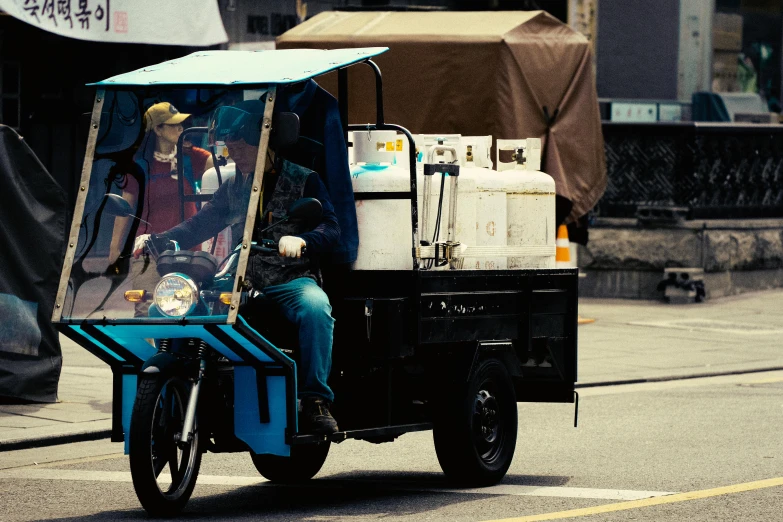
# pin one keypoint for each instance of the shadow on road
(338, 497)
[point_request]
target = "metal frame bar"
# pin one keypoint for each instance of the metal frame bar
(378, 92)
(181, 169)
(384, 431)
(342, 95)
(81, 200)
(253, 204)
(413, 193)
(117, 434)
(342, 99)
(365, 196)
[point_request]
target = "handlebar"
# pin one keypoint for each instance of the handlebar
(269, 248)
(263, 249)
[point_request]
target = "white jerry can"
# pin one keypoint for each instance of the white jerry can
(530, 197)
(495, 210)
(491, 203)
(513, 208)
(530, 213)
(385, 231)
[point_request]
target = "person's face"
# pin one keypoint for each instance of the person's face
(169, 132)
(243, 154)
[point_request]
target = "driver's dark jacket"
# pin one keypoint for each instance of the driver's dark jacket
(228, 206)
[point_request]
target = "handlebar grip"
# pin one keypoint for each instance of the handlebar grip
(263, 250)
(270, 248)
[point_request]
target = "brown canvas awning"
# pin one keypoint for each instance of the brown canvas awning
(511, 74)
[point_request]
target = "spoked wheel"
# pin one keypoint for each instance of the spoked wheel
(164, 472)
(476, 433)
(303, 464)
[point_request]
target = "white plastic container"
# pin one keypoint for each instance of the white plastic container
(385, 232)
(513, 208)
(490, 217)
(529, 213)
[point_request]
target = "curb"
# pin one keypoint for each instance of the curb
(677, 377)
(54, 440)
(85, 436)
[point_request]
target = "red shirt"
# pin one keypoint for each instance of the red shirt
(161, 204)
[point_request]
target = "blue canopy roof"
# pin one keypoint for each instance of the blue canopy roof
(244, 67)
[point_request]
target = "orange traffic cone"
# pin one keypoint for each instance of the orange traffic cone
(562, 252)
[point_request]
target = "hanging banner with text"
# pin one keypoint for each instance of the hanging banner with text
(167, 22)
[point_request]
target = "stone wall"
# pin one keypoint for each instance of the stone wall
(625, 259)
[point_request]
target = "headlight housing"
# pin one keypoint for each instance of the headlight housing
(176, 295)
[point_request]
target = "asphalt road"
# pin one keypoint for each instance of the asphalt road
(637, 450)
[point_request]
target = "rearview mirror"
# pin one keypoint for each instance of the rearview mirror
(306, 209)
(285, 130)
(117, 206)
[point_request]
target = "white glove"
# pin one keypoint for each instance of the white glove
(291, 246)
(138, 244)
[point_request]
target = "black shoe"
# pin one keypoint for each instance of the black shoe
(315, 417)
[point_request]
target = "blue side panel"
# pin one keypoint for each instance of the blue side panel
(267, 437)
(129, 384)
(96, 343)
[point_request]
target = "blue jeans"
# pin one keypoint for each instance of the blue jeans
(306, 305)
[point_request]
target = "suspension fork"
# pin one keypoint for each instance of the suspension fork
(190, 414)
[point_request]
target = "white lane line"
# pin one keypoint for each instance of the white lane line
(222, 480)
(713, 325)
(118, 476)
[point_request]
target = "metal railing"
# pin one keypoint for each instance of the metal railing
(693, 171)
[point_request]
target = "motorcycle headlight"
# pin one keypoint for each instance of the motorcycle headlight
(176, 295)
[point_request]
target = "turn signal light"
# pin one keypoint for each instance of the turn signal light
(135, 296)
(225, 298)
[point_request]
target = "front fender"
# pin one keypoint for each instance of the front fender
(164, 363)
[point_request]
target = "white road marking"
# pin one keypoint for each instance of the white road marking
(713, 325)
(222, 480)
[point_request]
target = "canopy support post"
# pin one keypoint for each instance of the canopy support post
(342, 99)
(378, 93)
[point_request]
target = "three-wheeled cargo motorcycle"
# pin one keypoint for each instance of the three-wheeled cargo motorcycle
(429, 346)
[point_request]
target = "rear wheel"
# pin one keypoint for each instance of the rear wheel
(476, 432)
(303, 464)
(164, 472)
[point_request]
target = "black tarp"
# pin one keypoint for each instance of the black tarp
(32, 243)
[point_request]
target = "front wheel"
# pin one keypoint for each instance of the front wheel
(303, 464)
(476, 432)
(156, 425)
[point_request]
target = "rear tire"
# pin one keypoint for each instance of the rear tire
(475, 433)
(303, 464)
(156, 422)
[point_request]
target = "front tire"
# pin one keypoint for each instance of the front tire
(303, 464)
(156, 422)
(475, 433)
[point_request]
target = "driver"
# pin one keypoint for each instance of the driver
(290, 280)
